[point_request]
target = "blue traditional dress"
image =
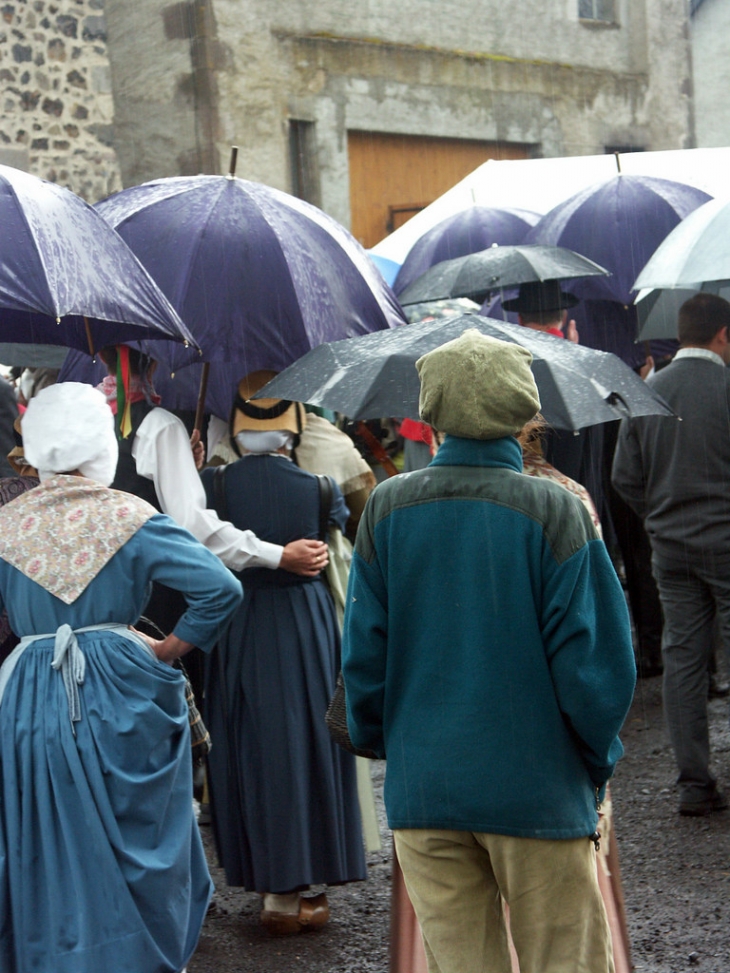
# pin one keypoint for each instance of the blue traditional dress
(101, 864)
(283, 795)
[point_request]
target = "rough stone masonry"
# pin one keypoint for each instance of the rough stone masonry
(56, 106)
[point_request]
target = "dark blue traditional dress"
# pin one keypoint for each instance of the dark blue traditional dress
(101, 864)
(283, 795)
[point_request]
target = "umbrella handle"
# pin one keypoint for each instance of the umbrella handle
(90, 340)
(200, 409)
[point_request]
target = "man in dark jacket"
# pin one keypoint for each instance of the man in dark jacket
(675, 475)
(487, 654)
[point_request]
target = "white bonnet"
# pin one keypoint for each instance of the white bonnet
(71, 427)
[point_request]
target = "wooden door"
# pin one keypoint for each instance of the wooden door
(392, 177)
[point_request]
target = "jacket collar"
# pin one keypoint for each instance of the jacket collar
(505, 452)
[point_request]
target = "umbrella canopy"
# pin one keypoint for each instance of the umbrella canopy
(375, 376)
(694, 256)
(260, 276)
(67, 278)
(466, 232)
(698, 249)
(658, 309)
(618, 223)
(477, 274)
(540, 184)
(388, 268)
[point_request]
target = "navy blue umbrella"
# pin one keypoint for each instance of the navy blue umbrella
(66, 278)
(618, 224)
(466, 232)
(258, 275)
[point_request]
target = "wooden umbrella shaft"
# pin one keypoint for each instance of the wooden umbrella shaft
(200, 409)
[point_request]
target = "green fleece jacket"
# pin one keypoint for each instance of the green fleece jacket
(487, 650)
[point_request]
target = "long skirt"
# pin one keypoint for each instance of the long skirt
(101, 863)
(283, 795)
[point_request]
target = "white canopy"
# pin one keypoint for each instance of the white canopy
(540, 184)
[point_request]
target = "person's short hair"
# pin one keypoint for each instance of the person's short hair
(701, 317)
(542, 318)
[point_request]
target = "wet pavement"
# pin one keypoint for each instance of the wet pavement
(676, 877)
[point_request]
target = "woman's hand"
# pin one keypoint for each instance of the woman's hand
(198, 450)
(306, 557)
(168, 649)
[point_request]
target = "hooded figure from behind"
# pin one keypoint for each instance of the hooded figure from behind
(487, 654)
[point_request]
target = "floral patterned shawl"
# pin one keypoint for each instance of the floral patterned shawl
(62, 533)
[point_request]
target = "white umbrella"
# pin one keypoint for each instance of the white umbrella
(657, 309)
(697, 249)
(695, 256)
(540, 184)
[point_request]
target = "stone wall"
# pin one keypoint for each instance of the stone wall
(56, 105)
(528, 72)
(150, 52)
(190, 78)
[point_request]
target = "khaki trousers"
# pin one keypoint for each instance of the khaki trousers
(457, 880)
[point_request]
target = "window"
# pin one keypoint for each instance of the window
(303, 161)
(600, 10)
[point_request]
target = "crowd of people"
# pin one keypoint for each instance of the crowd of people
(486, 652)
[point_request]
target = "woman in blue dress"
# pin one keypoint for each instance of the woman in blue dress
(101, 864)
(283, 796)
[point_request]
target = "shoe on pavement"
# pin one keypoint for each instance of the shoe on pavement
(718, 689)
(708, 805)
(313, 913)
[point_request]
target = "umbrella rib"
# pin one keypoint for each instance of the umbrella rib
(198, 242)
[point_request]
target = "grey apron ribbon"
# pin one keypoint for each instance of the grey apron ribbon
(69, 658)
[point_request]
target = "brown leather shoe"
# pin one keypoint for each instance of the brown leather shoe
(314, 913)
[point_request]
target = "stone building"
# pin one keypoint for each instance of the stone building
(368, 109)
(56, 104)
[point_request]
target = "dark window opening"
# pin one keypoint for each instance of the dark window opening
(303, 161)
(600, 10)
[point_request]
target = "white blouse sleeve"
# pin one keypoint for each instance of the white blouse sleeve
(162, 453)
